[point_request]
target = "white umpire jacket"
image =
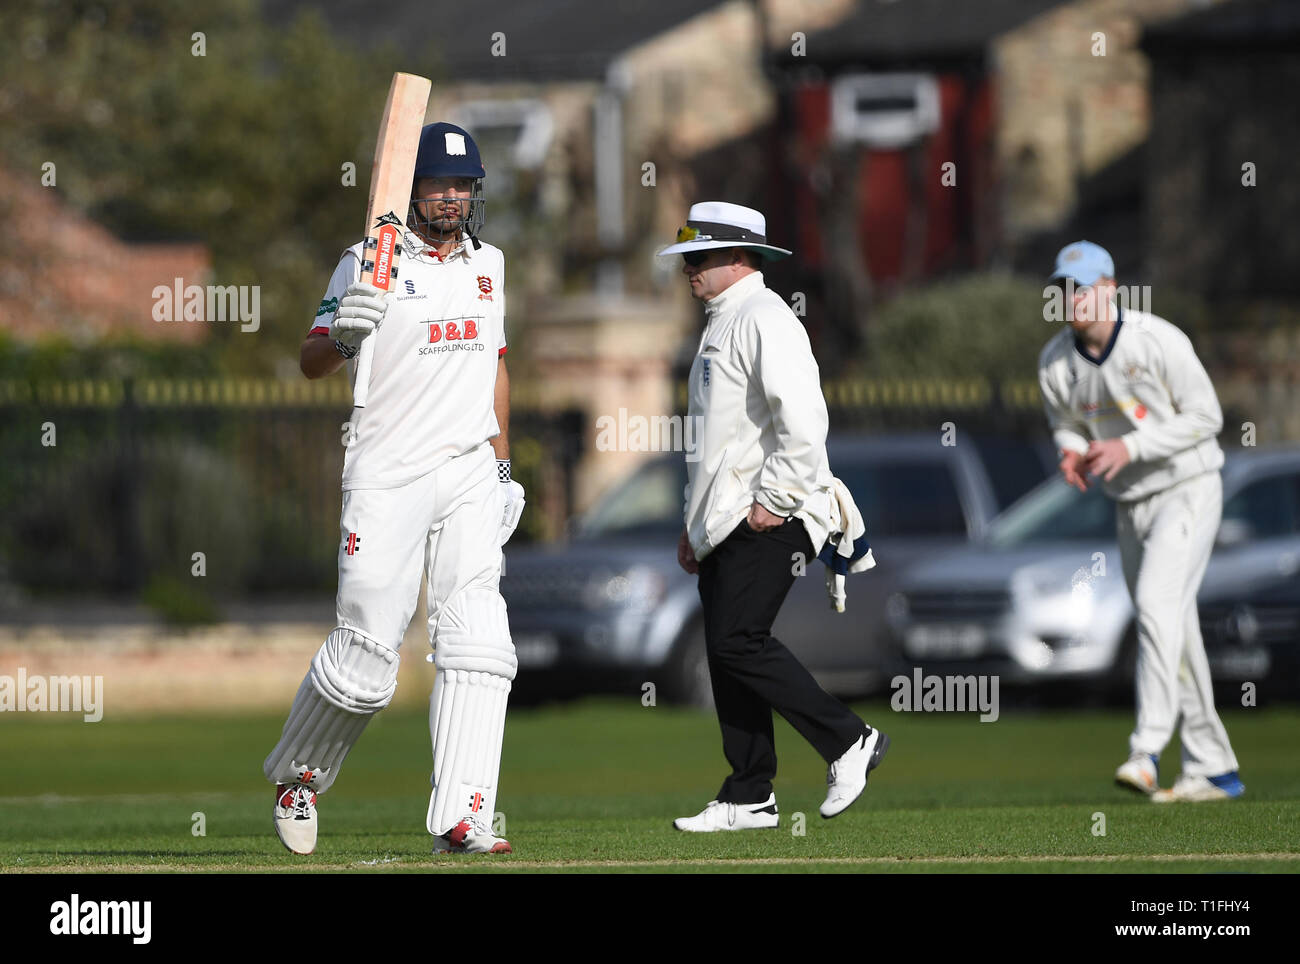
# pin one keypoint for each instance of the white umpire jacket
(759, 421)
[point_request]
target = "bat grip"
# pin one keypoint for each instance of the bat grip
(361, 386)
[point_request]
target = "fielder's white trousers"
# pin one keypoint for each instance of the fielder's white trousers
(446, 522)
(1165, 541)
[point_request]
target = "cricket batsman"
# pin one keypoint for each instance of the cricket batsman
(426, 487)
(1129, 401)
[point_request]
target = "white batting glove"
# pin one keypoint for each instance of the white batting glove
(835, 589)
(514, 507)
(361, 310)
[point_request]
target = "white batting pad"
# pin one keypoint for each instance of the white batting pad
(352, 677)
(467, 711)
(467, 718)
(473, 634)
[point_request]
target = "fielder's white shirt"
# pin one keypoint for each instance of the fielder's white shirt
(761, 434)
(1148, 388)
(433, 377)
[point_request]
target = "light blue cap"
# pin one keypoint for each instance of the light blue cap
(1085, 262)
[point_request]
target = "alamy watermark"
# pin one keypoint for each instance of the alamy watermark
(75, 917)
(53, 694)
(1059, 303)
(945, 694)
(181, 302)
(649, 433)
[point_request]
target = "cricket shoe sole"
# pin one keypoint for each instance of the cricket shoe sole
(470, 837)
(1225, 786)
(1141, 773)
(720, 817)
(847, 777)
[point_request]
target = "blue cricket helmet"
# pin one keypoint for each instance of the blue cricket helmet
(449, 151)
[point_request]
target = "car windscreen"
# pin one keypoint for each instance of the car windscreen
(650, 501)
(1054, 512)
(897, 497)
(905, 497)
(1014, 465)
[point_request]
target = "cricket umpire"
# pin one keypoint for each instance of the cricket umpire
(1129, 401)
(759, 499)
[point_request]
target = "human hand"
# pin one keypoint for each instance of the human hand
(1072, 469)
(514, 508)
(760, 520)
(686, 555)
(1106, 457)
(361, 310)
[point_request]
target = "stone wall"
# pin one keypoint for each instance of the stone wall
(1065, 108)
(1206, 230)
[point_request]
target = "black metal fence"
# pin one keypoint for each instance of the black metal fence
(136, 487)
(117, 486)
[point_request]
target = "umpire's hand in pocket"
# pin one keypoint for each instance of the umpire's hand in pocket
(760, 520)
(686, 555)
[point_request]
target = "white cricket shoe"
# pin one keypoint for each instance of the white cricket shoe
(470, 836)
(1141, 772)
(1226, 786)
(295, 817)
(732, 816)
(846, 778)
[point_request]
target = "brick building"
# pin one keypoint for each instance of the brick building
(71, 278)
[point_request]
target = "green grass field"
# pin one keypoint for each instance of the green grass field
(593, 786)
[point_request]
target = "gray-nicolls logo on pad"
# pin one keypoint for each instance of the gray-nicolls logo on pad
(77, 917)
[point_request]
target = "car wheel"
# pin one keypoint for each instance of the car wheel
(688, 680)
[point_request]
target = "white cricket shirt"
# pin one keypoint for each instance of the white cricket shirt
(433, 376)
(1148, 388)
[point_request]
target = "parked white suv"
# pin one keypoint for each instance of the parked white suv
(1042, 595)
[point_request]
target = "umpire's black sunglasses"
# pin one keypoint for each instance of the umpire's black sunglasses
(696, 258)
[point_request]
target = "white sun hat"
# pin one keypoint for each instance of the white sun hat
(717, 224)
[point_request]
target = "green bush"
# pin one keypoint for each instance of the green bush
(180, 602)
(980, 326)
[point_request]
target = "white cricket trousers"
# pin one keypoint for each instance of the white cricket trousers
(1165, 541)
(447, 522)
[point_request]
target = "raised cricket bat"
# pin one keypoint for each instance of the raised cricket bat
(390, 198)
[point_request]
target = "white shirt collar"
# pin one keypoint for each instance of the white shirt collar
(734, 295)
(463, 249)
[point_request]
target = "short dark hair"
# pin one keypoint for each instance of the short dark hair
(752, 258)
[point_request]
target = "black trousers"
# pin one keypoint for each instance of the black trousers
(743, 583)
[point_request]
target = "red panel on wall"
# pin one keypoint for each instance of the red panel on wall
(946, 231)
(883, 201)
(812, 113)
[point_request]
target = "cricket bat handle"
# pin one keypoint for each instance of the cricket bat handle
(361, 386)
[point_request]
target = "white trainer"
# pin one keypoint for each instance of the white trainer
(470, 836)
(295, 817)
(846, 778)
(1141, 772)
(1226, 786)
(732, 816)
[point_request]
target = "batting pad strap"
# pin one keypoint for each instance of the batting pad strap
(467, 717)
(355, 672)
(473, 635)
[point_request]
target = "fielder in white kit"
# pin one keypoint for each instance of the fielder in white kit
(426, 484)
(1129, 401)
